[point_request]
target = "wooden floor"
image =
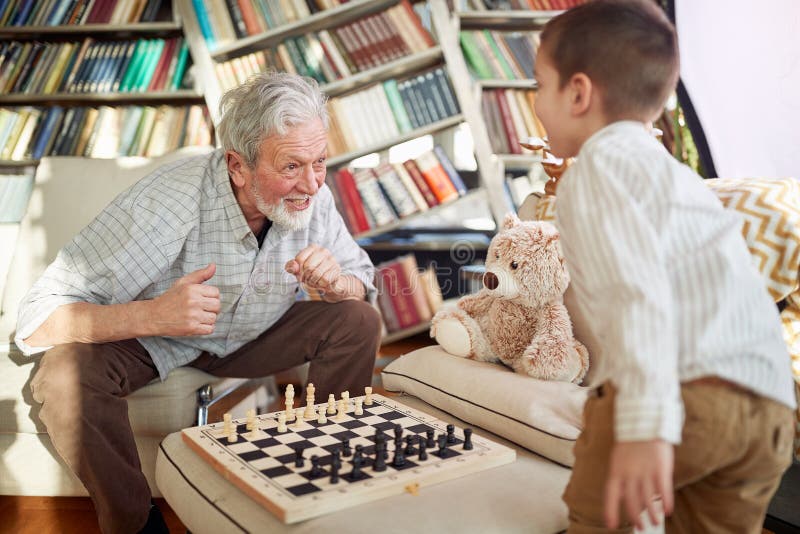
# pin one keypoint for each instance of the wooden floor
(75, 515)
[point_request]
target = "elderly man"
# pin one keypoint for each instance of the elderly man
(200, 264)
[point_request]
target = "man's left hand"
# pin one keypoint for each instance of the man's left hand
(317, 269)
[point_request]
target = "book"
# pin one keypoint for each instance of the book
(394, 189)
(436, 177)
(408, 264)
(411, 187)
(450, 169)
(421, 183)
(346, 185)
(433, 291)
(398, 288)
(373, 198)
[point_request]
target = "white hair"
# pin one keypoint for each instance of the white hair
(267, 104)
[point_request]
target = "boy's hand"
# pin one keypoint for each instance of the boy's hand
(640, 472)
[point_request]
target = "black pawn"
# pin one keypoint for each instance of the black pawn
(315, 469)
(336, 459)
(399, 458)
(355, 474)
(380, 457)
(298, 458)
(334, 473)
(451, 433)
(429, 442)
(467, 439)
(442, 452)
(423, 452)
(346, 451)
(410, 445)
(359, 452)
(380, 447)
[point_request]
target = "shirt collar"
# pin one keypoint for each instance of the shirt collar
(222, 182)
(615, 128)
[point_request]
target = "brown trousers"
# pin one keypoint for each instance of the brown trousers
(734, 450)
(82, 387)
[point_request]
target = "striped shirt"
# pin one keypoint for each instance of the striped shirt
(662, 274)
(179, 219)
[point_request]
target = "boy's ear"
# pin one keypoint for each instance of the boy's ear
(580, 88)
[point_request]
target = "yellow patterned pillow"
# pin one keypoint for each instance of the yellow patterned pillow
(771, 212)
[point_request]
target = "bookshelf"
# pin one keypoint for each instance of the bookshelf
(74, 74)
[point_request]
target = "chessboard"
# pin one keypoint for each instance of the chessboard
(359, 455)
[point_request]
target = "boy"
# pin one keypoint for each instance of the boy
(695, 390)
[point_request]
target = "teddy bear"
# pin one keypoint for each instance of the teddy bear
(518, 317)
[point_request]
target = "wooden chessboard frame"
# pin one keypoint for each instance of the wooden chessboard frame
(210, 444)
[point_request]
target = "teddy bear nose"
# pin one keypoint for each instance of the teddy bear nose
(490, 280)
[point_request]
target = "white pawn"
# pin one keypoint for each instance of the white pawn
(255, 428)
(227, 424)
(251, 418)
(299, 422)
(282, 422)
(368, 398)
(359, 410)
(342, 410)
(331, 404)
(322, 419)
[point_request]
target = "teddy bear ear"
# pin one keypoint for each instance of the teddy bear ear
(510, 221)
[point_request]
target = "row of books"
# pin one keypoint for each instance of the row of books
(334, 54)
(389, 109)
(66, 12)
(31, 133)
(372, 197)
(510, 116)
(407, 295)
(535, 5)
(91, 66)
(500, 55)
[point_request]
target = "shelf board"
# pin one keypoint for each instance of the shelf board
(400, 222)
(516, 161)
(7, 163)
(508, 84)
(398, 67)
(342, 159)
(406, 332)
(505, 19)
(324, 19)
(95, 99)
(95, 30)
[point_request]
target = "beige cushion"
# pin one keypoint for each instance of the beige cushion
(542, 416)
(523, 496)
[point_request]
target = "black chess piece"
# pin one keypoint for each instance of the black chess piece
(355, 474)
(399, 458)
(429, 442)
(410, 445)
(423, 452)
(442, 452)
(398, 433)
(451, 435)
(346, 451)
(380, 447)
(315, 468)
(467, 439)
(336, 458)
(298, 458)
(335, 472)
(380, 457)
(359, 452)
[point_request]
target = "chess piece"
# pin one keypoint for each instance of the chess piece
(299, 418)
(335, 473)
(398, 434)
(298, 456)
(356, 474)
(429, 441)
(282, 422)
(442, 452)
(423, 452)
(316, 470)
(341, 410)
(228, 429)
(359, 409)
(451, 436)
(251, 418)
(410, 445)
(368, 396)
(322, 419)
(380, 457)
(346, 399)
(290, 402)
(399, 458)
(331, 404)
(467, 439)
(346, 451)
(310, 412)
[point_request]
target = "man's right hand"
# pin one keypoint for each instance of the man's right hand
(189, 307)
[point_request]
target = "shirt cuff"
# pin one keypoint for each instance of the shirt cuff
(366, 278)
(32, 317)
(645, 419)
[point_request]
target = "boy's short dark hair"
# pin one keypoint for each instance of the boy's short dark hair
(628, 48)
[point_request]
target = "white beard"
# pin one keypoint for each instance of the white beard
(279, 214)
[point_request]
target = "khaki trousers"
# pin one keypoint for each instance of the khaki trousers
(82, 387)
(734, 450)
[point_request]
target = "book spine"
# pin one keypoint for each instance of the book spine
(396, 105)
(347, 183)
(395, 190)
(508, 123)
(373, 197)
(421, 183)
(450, 169)
(400, 291)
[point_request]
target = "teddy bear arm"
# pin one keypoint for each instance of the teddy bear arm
(553, 353)
(477, 304)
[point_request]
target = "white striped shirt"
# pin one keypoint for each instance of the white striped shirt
(179, 219)
(664, 278)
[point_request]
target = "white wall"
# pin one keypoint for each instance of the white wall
(740, 63)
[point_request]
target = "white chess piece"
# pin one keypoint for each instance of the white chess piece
(331, 404)
(282, 422)
(310, 412)
(299, 422)
(368, 398)
(322, 419)
(359, 410)
(346, 399)
(342, 410)
(227, 424)
(251, 418)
